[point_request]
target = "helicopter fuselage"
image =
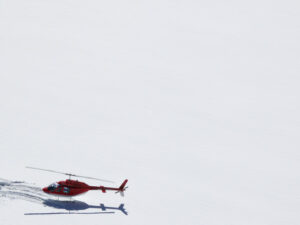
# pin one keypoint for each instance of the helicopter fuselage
(73, 187)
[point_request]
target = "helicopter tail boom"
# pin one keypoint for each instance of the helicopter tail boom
(121, 189)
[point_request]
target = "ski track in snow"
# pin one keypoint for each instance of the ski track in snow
(21, 190)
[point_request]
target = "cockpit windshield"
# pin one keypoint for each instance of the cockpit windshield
(53, 186)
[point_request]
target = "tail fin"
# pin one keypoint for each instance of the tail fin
(122, 187)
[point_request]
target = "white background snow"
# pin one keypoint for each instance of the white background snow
(195, 102)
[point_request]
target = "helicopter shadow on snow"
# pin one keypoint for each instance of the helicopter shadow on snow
(74, 207)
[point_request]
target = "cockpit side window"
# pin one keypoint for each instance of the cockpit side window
(53, 186)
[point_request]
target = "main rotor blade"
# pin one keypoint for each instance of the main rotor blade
(69, 174)
(92, 178)
(52, 171)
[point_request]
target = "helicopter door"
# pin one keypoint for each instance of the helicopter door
(58, 189)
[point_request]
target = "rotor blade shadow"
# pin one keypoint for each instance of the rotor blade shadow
(66, 213)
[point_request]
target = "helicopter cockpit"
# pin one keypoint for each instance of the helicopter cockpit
(53, 186)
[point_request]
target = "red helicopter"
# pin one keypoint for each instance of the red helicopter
(70, 187)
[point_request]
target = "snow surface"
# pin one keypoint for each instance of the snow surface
(195, 102)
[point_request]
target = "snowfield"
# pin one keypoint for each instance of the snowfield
(196, 103)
